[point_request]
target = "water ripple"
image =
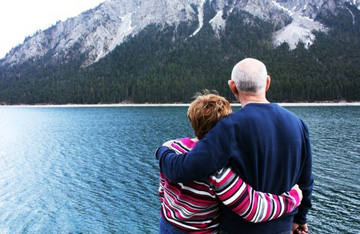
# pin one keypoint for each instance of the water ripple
(93, 170)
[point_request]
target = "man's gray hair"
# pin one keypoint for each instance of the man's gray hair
(249, 79)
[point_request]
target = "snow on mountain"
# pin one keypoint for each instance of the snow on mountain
(98, 31)
(300, 29)
(303, 13)
(200, 18)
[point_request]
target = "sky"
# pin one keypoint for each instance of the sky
(22, 18)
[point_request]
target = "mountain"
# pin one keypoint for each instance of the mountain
(108, 53)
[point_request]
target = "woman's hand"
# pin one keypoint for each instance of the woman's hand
(298, 190)
(168, 143)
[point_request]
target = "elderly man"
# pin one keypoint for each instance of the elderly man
(267, 145)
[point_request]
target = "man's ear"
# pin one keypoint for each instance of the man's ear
(233, 88)
(268, 81)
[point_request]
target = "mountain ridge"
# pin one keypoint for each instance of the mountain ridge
(98, 31)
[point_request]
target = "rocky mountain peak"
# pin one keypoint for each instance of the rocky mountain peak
(98, 31)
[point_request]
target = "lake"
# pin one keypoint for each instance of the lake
(93, 169)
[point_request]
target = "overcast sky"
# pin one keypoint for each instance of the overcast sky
(21, 18)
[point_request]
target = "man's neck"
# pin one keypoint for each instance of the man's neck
(252, 98)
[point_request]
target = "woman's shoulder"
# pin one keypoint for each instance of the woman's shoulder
(183, 145)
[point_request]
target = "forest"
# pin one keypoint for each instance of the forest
(162, 64)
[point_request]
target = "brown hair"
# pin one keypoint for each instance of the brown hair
(206, 110)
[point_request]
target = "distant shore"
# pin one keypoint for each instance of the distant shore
(182, 104)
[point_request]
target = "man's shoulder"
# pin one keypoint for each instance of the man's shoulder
(264, 113)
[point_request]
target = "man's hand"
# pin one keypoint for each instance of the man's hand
(299, 229)
(298, 190)
(168, 143)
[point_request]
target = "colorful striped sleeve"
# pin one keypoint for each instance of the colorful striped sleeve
(180, 146)
(161, 187)
(252, 205)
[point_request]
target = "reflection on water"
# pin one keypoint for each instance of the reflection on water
(92, 170)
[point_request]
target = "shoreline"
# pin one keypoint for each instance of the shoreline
(285, 104)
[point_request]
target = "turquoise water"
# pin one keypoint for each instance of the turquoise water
(93, 170)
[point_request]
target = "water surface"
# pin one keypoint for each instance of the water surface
(93, 170)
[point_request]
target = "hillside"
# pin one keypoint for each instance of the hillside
(168, 62)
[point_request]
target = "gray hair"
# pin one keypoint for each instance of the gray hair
(249, 75)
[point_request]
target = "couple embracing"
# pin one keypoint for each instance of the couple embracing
(238, 174)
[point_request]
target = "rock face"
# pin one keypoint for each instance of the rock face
(98, 31)
(304, 13)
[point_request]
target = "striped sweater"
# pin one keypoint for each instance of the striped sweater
(194, 206)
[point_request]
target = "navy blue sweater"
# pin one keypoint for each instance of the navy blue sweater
(267, 145)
